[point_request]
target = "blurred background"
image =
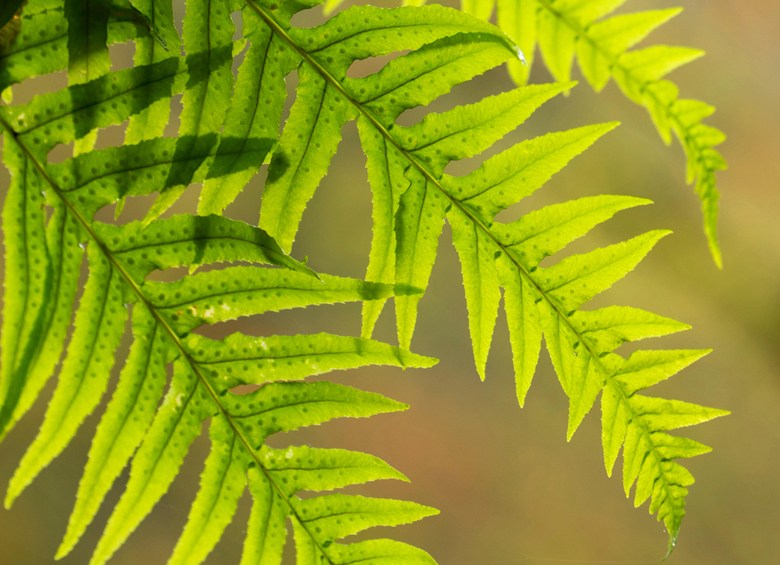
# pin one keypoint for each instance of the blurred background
(509, 487)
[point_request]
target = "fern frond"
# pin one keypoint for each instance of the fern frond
(205, 372)
(413, 196)
(48, 220)
(639, 424)
(446, 48)
(546, 301)
(249, 388)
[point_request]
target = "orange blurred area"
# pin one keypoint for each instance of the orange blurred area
(510, 489)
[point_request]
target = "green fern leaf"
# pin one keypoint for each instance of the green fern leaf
(250, 388)
(159, 44)
(614, 36)
(204, 374)
(128, 416)
(323, 104)
(175, 425)
(59, 117)
(413, 195)
(638, 423)
(87, 40)
(547, 301)
(208, 38)
(306, 147)
(44, 250)
(33, 328)
(544, 301)
(254, 114)
(217, 498)
(39, 46)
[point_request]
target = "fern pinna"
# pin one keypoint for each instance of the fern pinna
(249, 388)
(601, 42)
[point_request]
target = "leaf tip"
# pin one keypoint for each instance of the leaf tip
(672, 543)
(15, 488)
(715, 252)
(651, 238)
(572, 426)
(718, 413)
(520, 55)
(521, 396)
(63, 550)
(609, 126)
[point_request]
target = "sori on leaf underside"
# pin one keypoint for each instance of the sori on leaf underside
(248, 388)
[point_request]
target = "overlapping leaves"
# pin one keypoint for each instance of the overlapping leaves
(50, 209)
(602, 43)
(45, 255)
(413, 197)
(247, 388)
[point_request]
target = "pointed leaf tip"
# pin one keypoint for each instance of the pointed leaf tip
(672, 543)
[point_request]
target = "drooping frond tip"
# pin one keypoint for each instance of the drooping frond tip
(603, 44)
(639, 424)
(413, 197)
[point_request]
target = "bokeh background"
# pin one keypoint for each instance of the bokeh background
(509, 487)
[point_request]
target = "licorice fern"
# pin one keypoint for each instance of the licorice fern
(249, 388)
(601, 42)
